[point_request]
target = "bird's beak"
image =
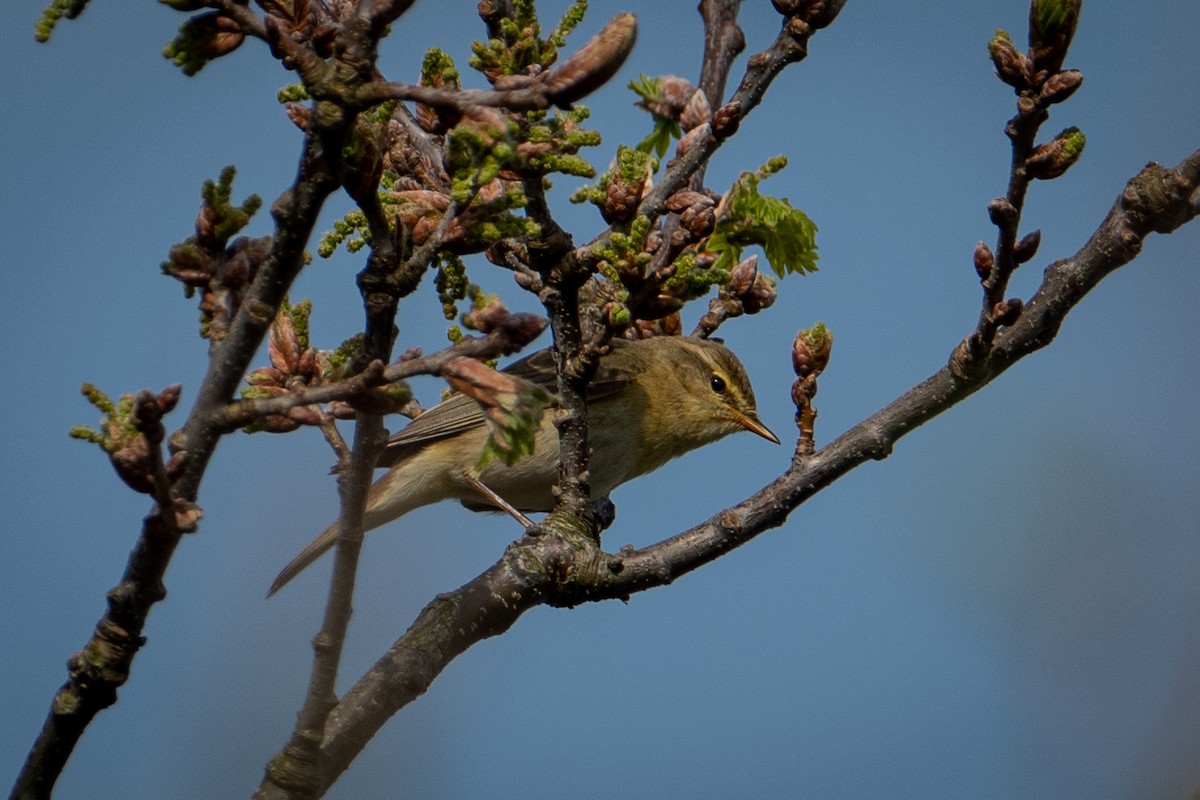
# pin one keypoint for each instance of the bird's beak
(751, 423)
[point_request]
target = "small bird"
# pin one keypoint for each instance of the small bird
(651, 400)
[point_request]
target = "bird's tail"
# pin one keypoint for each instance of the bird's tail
(311, 552)
(399, 491)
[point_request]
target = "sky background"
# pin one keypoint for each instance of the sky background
(1008, 606)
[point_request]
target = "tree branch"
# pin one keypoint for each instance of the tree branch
(723, 41)
(577, 76)
(1156, 200)
(518, 330)
(103, 665)
(790, 46)
(565, 567)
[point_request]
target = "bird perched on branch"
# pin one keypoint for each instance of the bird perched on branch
(651, 400)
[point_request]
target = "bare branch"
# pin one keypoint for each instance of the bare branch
(723, 41)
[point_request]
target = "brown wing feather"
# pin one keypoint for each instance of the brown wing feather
(459, 413)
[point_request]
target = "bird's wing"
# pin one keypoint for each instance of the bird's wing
(612, 374)
(460, 412)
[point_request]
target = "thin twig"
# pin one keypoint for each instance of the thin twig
(499, 342)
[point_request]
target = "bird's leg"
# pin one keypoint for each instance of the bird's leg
(500, 502)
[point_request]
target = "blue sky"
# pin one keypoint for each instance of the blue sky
(1009, 606)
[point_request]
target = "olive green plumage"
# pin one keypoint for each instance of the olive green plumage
(651, 400)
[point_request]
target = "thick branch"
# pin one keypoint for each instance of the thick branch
(1157, 200)
(485, 607)
(564, 567)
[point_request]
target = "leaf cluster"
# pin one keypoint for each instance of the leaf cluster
(666, 129)
(786, 234)
(513, 427)
(518, 49)
(58, 9)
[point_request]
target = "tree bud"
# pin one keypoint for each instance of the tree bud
(803, 391)
(1006, 312)
(1060, 86)
(674, 94)
(521, 329)
(620, 200)
(683, 199)
(1012, 66)
(699, 222)
(1001, 212)
(985, 262)
(487, 317)
(1027, 247)
(625, 184)
(132, 463)
(277, 423)
(727, 119)
(762, 294)
(690, 139)
(266, 376)
(810, 351)
(696, 112)
(594, 63)
(821, 13)
(215, 35)
(168, 398)
(1052, 159)
(741, 278)
(298, 114)
(1051, 28)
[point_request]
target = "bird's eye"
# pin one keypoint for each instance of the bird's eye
(717, 383)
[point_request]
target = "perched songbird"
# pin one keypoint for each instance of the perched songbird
(651, 400)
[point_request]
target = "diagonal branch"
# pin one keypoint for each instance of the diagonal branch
(1156, 200)
(104, 663)
(564, 567)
